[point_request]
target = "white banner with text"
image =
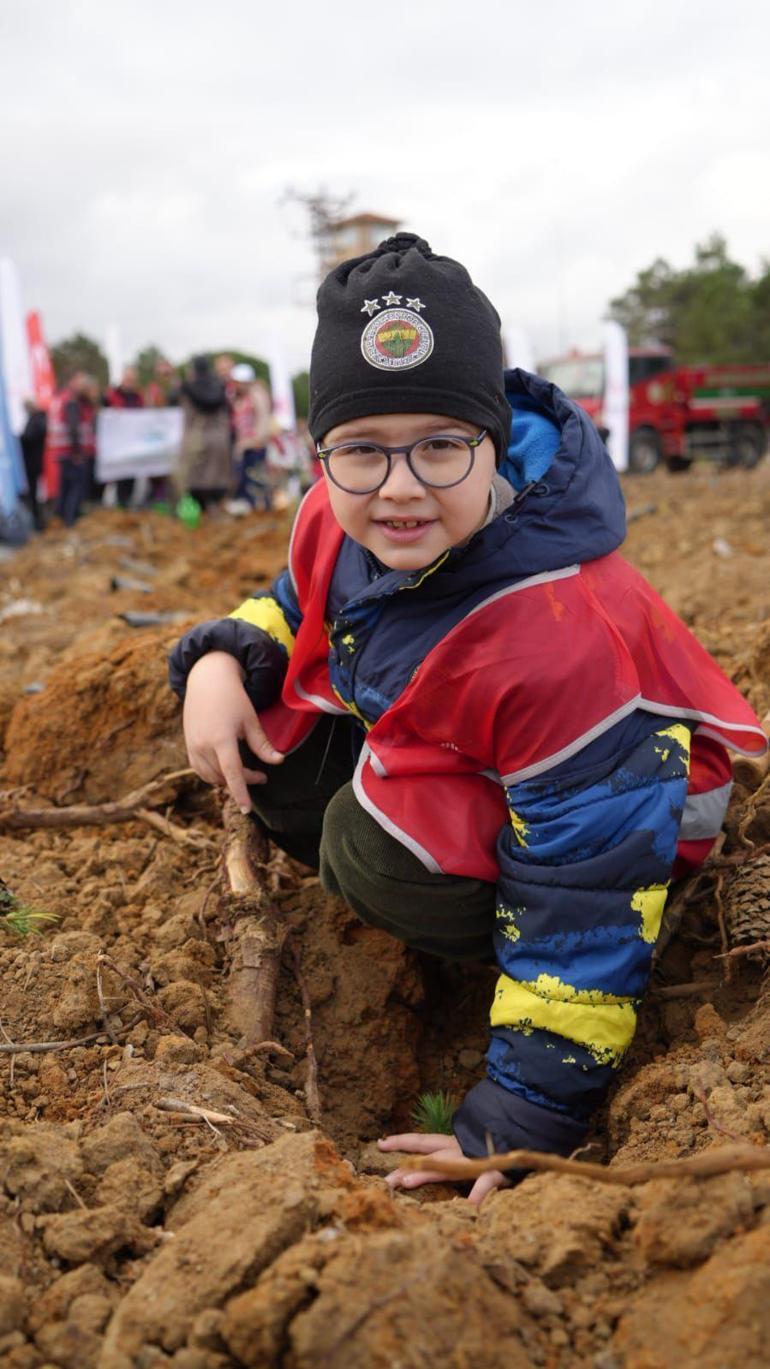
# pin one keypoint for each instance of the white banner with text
(137, 442)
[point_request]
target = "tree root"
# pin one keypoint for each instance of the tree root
(158, 1015)
(256, 930)
(312, 1096)
(132, 807)
(257, 935)
(37, 1047)
(718, 1160)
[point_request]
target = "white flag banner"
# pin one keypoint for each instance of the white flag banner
(17, 363)
(137, 442)
(113, 350)
(615, 404)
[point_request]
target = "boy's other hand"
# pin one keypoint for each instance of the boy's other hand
(217, 715)
(435, 1147)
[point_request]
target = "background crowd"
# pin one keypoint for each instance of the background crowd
(234, 457)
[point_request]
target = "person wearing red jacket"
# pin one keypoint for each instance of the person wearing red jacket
(125, 395)
(72, 442)
(461, 705)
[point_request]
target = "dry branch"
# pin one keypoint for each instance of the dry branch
(192, 1110)
(36, 1047)
(695, 989)
(312, 1096)
(256, 930)
(132, 807)
(750, 812)
(718, 1160)
(181, 1111)
(753, 948)
(159, 1016)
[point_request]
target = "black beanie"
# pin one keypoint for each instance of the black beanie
(402, 330)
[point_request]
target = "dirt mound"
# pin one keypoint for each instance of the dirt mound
(104, 723)
(163, 1198)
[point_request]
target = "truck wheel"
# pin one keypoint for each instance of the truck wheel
(748, 447)
(644, 451)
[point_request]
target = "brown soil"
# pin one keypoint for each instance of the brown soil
(133, 1237)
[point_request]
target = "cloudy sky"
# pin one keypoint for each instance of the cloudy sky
(554, 148)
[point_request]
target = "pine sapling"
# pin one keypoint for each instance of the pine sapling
(19, 918)
(434, 1113)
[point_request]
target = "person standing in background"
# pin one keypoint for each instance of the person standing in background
(223, 369)
(32, 441)
(204, 469)
(251, 410)
(72, 442)
(163, 390)
(125, 395)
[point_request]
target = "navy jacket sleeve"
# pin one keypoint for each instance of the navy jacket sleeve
(259, 634)
(584, 869)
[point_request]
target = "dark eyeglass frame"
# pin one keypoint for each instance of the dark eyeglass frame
(323, 454)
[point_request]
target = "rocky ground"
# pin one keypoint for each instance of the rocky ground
(135, 1233)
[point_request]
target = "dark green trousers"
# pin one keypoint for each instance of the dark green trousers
(308, 808)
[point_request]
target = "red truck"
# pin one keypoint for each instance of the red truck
(677, 413)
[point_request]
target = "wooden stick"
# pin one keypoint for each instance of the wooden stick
(159, 1016)
(750, 812)
(132, 807)
(192, 1110)
(718, 887)
(751, 949)
(312, 1096)
(193, 840)
(256, 929)
(693, 990)
(36, 1047)
(718, 1160)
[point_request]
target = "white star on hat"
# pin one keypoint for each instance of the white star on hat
(370, 306)
(415, 304)
(391, 299)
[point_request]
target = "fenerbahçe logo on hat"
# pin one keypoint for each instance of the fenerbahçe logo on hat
(397, 338)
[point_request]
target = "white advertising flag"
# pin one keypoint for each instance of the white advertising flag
(137, 442)
(615, 404)
(113, 348)
(17, 365)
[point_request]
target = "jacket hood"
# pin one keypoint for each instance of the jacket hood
(575, 512)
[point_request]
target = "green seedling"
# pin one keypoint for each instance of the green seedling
(27, 921)
(434, 1113)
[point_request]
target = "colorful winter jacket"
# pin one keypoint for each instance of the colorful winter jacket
(531, 714)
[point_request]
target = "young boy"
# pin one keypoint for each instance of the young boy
(482, 726)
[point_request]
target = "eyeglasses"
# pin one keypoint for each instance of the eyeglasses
(438, 462)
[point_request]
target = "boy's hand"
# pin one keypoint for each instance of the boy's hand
(438, 1147)
(217, 715)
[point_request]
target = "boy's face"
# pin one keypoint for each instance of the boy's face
(384, 521)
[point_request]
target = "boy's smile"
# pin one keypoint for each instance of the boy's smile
(404, 523)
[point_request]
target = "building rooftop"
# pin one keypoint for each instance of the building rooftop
(361, 220)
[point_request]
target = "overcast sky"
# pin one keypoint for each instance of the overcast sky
(554, 148)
